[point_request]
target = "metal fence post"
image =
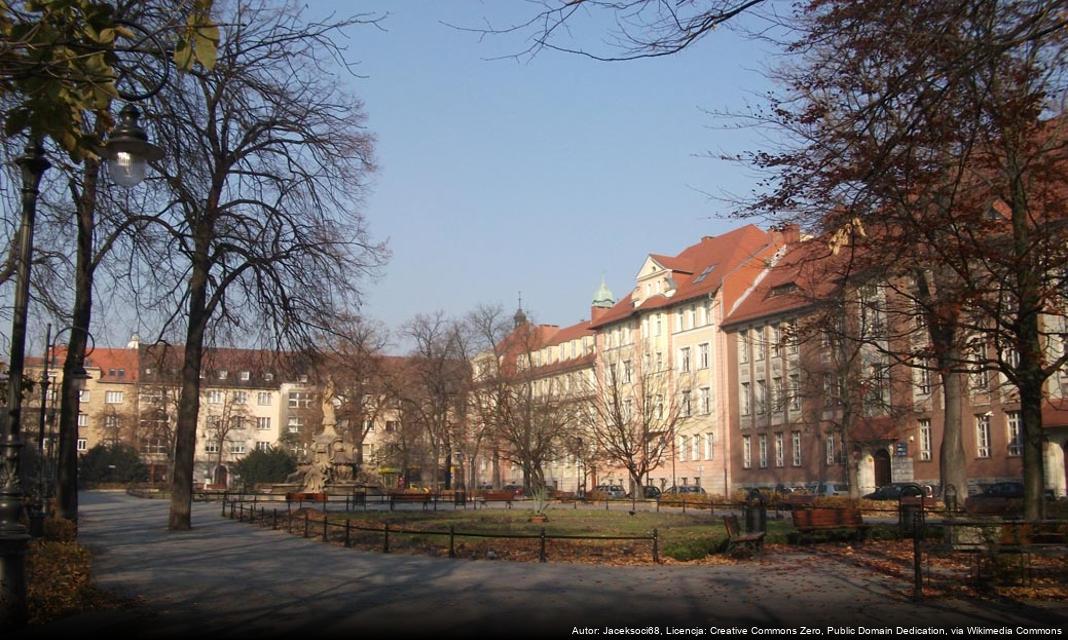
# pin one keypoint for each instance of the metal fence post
(541, 556)
(385, 543)
(656, 546)
(348, 527)
(452, 546)
(305, 524)
(326, 524)
(224, 506)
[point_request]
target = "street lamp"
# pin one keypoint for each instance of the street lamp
(78, 377)
(128, 150)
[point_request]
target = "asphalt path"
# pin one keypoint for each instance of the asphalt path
(229, 579)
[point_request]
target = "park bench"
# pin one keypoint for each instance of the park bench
(752, 542)
(498, 496)
(410, 498)
(304, 496)
(826, 519)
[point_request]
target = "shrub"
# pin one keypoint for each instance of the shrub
(270, 466)
(117, 462)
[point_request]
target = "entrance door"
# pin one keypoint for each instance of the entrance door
(882, 467)
(220, 476)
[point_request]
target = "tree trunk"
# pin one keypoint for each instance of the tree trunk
(952, 461)
(189, 406)
(81, 316)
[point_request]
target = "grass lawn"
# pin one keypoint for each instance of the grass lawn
(681, 536)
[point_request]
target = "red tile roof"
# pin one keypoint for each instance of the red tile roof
(698, 270)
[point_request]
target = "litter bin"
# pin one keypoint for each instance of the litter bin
(755, 512)
(911, 516)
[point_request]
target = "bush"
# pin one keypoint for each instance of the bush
(270, 466)
(112, 463)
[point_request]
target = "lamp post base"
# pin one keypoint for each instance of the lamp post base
(13, 580)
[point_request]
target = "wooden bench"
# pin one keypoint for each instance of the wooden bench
(498, 496)
(303, 496)
(410, 498)
(821, 519)
(752, 542)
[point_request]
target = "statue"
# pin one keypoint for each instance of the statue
(333, 459)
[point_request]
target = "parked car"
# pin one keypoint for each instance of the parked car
(998, 498)
(611, 490)
(896, 491)
(649, 492)
(686, 489)
(516, 489)
(831, 489)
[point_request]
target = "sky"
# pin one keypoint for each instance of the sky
(499, 178)
(540, 176)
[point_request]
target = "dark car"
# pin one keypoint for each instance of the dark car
(686, 489)
(998, 498)
(649, 492)
(896, 491)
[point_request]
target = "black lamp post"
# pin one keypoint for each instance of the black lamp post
(79, 376)
(127, 151)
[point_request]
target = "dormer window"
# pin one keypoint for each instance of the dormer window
(222, 374)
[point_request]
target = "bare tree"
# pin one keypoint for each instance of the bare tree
(258, 224)
(632, 410)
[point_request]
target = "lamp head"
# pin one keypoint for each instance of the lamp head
(128, 150)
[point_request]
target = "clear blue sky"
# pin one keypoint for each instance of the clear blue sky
(498, 176)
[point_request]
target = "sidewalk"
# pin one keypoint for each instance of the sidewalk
(228, 579)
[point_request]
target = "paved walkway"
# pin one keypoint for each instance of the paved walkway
(228, 579)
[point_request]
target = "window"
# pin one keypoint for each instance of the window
(83, 395)
(743, 346)
(693, 316)
(679, 322)
(796, 437)
(111, 422)
(268, 377)
(979, 380)
(263, 398)
(241, 397)
(695, 452)
(830, 449)
(215, 396)
(368, 426)
(683, 443)
(747, 399)
(222, 374)
(299, 400)
(685, 403)
(925, 440)
(295, 424)
(237, 422)
(626, 371)
(982, 435)
(703, 357)
(763, 451)
(659, 361)
(659, 406)
(791, 338)
(237, 448)
(780, 453)
(706, 400)
(778, 402)
(747, 452)
(83, 445)
(83, 420)
(760, 347)
(391, 426)
(795, 392)
(762, 397)
(245, 376)
(659, 322)
(776, 340)
(263, 423)
(710, 446)
(925, 379)
(113, 397)
(212, 446)
(684, 359)
(1015, 441)
(263, 446)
